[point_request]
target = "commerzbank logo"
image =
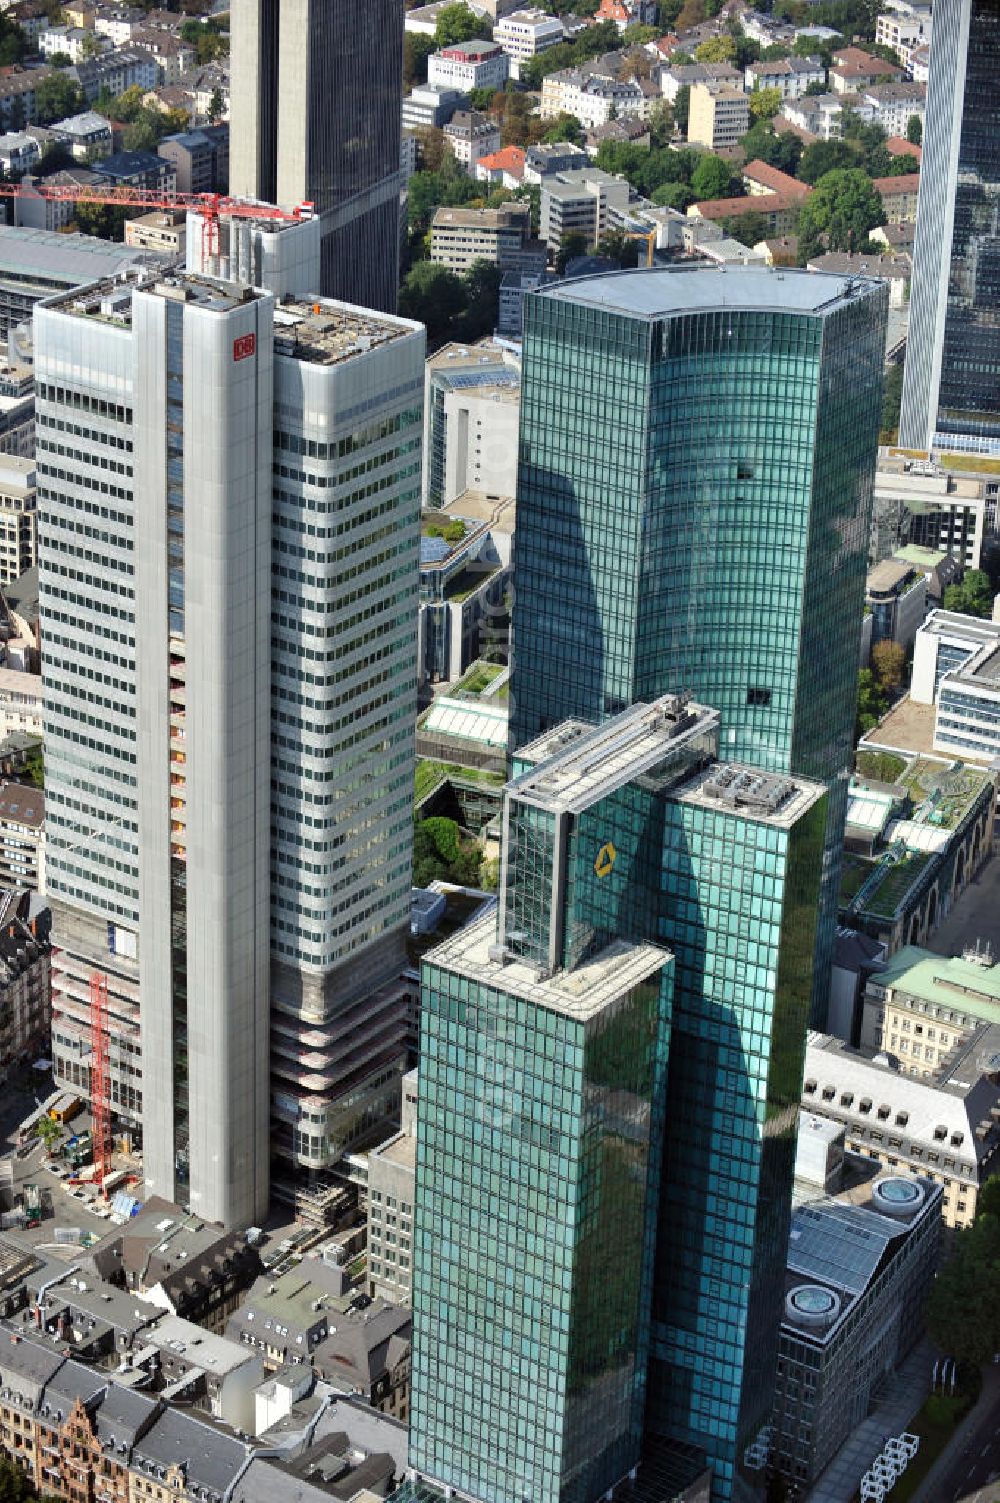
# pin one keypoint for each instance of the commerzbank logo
(606, 857)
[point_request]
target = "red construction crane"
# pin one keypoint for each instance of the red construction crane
(100, 1081)
(211, 206)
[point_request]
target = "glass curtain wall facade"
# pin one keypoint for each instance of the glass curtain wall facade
(625, 837)
(951, 387)
(695, 486)
(316, 101)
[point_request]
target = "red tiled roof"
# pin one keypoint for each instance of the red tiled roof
(897, 147)
(760, 203)
(908, 182)
(508, 159)
(776, 180)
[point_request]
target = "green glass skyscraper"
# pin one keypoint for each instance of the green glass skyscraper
(562, 1285)
(697, 455)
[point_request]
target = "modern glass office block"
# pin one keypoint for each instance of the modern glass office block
(617, 837)
(951, 390)
(694, 504)
(537, 1165)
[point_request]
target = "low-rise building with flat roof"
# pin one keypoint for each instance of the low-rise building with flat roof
(956, 667)
(460, 237)
(860, 1265)
(18, 518)
(896, 597)
(719, 115)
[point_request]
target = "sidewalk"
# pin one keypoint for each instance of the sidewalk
(910, 1386)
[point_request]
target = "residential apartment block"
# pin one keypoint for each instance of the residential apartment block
(25, 979)
(719, 115)
(391, 1194)
(232, 965)
(791, 76)
(471, 136)
(525, 33)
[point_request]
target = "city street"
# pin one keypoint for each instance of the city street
(969, 1471)
(975, 917)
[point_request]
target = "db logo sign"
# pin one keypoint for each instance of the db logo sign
(244, 347)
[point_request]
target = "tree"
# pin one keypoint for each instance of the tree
(15, 1484)
(888, 664)
(673, 196)
(619, 247)
(216, 105)
(49, 1133)
(712, 178)
(716, 50)
(765, 103)
(417, 48)
(564, 128)
(572, 244)
(892, 401)
(682, 107)
(763, 142)
(434, 296)
(973, 597)
(821, 157)
(127, 105)
(457, 23)
(661, 123)
(439, 852)
(146, 131)
(748, 228)
(433, 146)
(915, 130)
(482, 295)
(60, 60)
(13, 44)
(872, 703)
(56, 97)
(839, 214)
(968, 1328)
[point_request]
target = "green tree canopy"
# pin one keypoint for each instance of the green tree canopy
(564, 128)
(434, 296)
(843, 208)
(417, 48)
(973, 597)
(763, 142)
(748, 228)
(15, 1484)
(872, 703)
(482, 294)
(765, 103)
(915, 130)
(716, 50)
(457, 23)
(56, 97)
(821, 157)
(673, 196)
(682, 108)
(573, 243)
(963, 1310)
(712, 178)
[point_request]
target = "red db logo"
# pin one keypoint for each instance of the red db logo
(244, 347)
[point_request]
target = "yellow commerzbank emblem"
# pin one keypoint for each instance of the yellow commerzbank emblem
(605, 859)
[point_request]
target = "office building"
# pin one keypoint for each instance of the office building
(34, 264)
(646, 524)
(946, 1130)
(465, 586)
(860, 1266)
(471, 405)
(920, 1007)
(391, 1193)
(316, 99)
(469, 65)
(951, 388)
(896, 601)
(461, 237)
(956, 668)
(18, 501)
(582, 201)
(615, 838)
(225, 685)
(921, 502)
